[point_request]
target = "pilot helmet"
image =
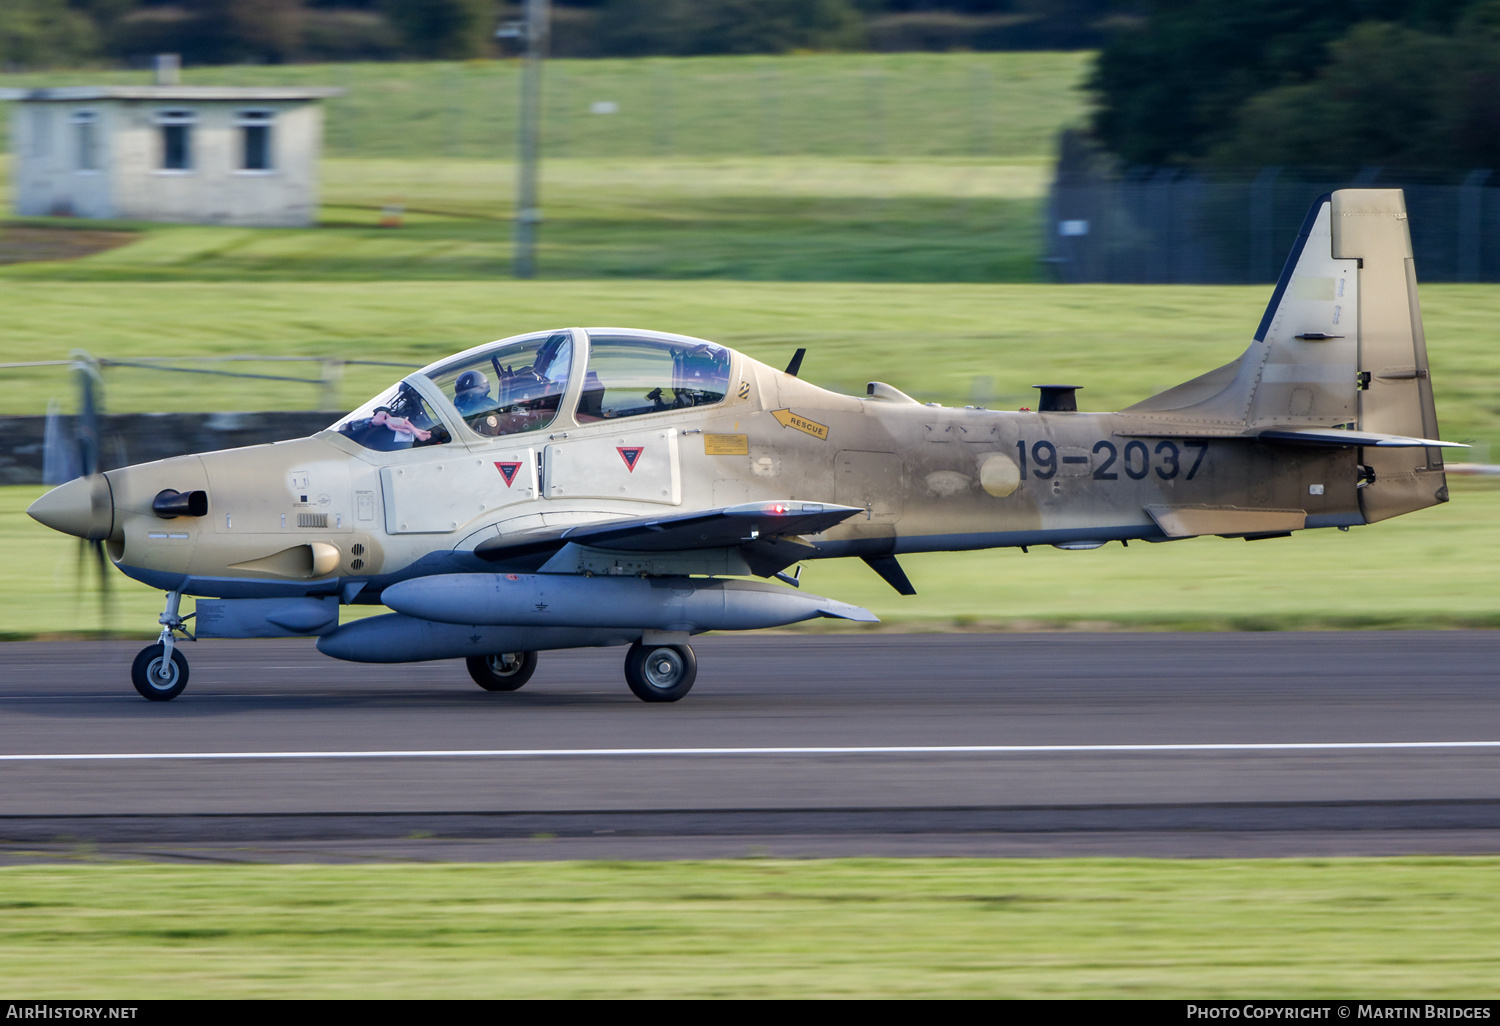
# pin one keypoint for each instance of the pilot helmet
(472, 381)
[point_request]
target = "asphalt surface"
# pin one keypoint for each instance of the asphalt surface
(878, 744)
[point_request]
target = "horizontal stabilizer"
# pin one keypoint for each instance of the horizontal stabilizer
(700, 529)
(1338, 438)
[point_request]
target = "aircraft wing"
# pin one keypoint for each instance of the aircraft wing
(754, 525)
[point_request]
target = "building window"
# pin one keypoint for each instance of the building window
(86, 138)
(176, 139)
(255, 140)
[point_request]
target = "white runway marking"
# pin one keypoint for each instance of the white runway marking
(542, 753)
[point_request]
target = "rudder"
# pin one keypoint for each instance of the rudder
(1395, 396)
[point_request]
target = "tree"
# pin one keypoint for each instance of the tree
(442, 28)
(40, 32)
(687, 27)
(1389, 96)
(1170, 91)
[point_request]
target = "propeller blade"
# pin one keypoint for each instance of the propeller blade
(106, 588)
(86, 430)
(102, 584)
(59, 458)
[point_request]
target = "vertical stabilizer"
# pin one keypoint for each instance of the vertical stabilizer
(1301, 369)
(1370, 226)
(1340, 346)
(1309, 335)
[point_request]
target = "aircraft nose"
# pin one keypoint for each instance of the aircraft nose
(84, 507)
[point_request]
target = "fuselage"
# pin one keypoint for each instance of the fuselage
(329, 514)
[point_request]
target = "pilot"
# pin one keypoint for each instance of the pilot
(471, 395)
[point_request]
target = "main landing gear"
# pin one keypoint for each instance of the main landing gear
(160, 671)
(660, 673)
(655, 672)
(506, 671)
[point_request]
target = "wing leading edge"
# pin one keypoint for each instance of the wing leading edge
(766, 535)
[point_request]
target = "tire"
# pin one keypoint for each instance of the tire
(660, 673)
(503, 671)
(148, 664)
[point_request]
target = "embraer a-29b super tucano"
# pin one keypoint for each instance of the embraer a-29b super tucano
(587, 487)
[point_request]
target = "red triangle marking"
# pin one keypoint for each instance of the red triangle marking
(630, 454)
(508, 471)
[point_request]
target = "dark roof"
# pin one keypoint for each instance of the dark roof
(177, 93)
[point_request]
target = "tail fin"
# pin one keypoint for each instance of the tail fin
(1340, 347)
(1395, 395)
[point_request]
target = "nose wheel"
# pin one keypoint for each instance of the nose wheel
(159, 675)
(160, 671)
(660, 673)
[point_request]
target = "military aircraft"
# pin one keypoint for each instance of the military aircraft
(602, 486)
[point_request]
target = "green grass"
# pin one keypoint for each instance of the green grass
(809, 219)
(1066, 928)
(1446, 580)
(991, 105)
(955, 344)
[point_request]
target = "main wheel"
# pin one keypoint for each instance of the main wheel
(506, 671)
(156, 678)
(660, 673)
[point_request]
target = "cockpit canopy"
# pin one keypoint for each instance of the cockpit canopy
(532, 382)
(514, 386)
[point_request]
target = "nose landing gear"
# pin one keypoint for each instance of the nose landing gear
(160, 671)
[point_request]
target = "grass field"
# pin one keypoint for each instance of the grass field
(1003, 106)
(1065, 928)
(784, 218)
(955, 344)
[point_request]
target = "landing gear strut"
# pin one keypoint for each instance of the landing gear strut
(660, 673)
(506, 671)
(160, 671)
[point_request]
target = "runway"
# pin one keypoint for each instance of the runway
(797, 745)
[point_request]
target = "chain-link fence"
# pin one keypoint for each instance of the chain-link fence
(1170, 227)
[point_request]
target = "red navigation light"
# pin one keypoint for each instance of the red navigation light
(778, 509)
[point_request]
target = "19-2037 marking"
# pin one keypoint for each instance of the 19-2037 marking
(1138, 460)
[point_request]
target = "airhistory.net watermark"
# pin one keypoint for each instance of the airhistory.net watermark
(48, 1010)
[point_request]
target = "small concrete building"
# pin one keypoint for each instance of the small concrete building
(195, 154)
